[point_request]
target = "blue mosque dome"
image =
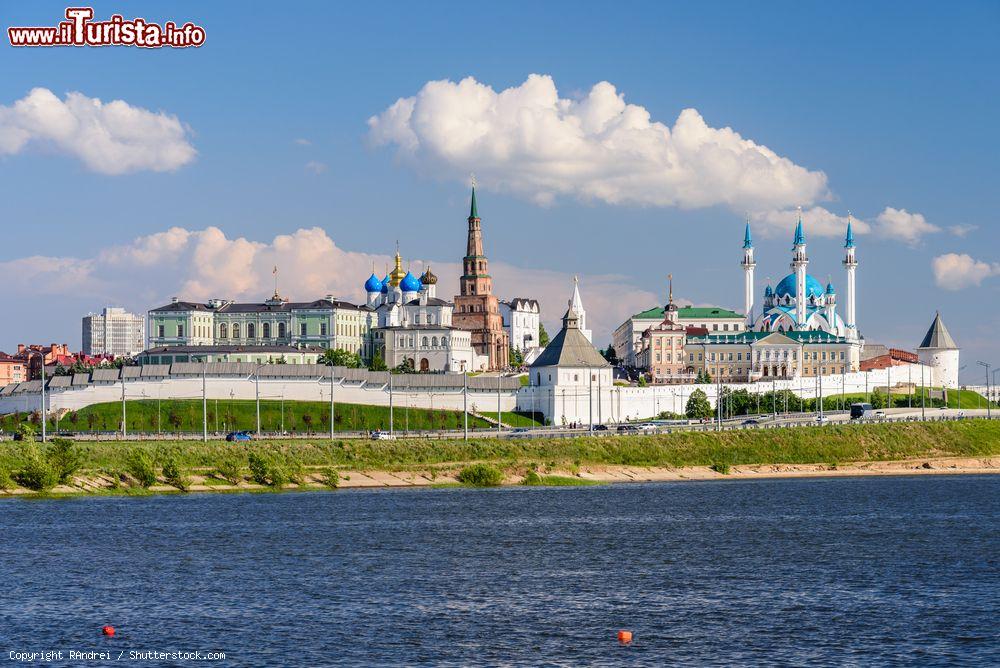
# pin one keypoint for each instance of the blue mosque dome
(787, 287)
(410, 283)
(373, 284)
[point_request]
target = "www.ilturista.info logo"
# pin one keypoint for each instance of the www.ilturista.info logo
(81, 30)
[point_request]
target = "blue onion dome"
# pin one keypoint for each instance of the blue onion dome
(385, 285)
(768, 291)
(829, 289)
(410, 283)
(373, 284)
(787, 287)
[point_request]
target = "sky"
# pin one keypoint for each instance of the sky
(615, 142)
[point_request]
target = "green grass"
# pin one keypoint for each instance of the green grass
(969, 400)
(834, 443)
(185, 416)
(562, 481)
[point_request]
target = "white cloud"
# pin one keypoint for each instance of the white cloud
(301, 141)
(817, 221)
(955, 272)
(110, 138)
(202, 264)
(531, 142)
(901, 225)
(962, 231)
(316, 167)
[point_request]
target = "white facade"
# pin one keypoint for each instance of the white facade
(429, 348)
(627, 338)
(577, 305)
(114, 331)
(522, 319)
(940, 352)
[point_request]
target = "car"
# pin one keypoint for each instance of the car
(379, 435)
(628, 429)
(239, 436)
(519, 430)
(822, 419)
(751, 422)
(600, 427)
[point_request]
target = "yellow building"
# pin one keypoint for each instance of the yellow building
(749, 356)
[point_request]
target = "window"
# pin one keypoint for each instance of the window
(180, 331)
(266, 330)
(322, 329)
(302, 329)
(251, 330)
(281, 330)
(159, 331)
(434, 342)
(236, 330)
(223, 331)
(725, 328)
(423, 342)
(715, 327)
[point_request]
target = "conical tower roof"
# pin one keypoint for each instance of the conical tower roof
(937, 336)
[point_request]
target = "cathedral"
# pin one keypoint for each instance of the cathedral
(799, 302)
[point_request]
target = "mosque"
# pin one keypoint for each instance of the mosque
(799, 302)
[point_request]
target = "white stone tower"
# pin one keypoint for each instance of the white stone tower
(850, 264)
(748, 267)
(939, 352)
(799, 263)
(577, 305)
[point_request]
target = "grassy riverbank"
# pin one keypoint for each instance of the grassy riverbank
(225, 415)
(218, 461)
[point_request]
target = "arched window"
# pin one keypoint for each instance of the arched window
(423, 342)
(267, 330)
(434, 342)
(251, 330)
(281, 330)
(236, 330)
(223, 331)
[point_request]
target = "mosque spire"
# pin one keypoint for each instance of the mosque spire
(747, 240)
(849, 240)
(800, 237)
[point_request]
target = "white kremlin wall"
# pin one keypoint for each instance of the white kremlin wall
(567, 403)
(306, 389)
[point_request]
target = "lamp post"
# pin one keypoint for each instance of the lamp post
(204, 401)
(332, 404)
(960, 370)
(123, 402)
(465, 405)
(256, 394)
(989, 413)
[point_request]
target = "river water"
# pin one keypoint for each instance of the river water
(823, 571)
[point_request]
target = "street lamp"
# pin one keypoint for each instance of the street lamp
(989, 413)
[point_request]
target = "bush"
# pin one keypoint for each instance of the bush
(268, 469)
(175, 476)
(720, 468)
(230, 468)
(331, 478)
(64, 458)
(293, 468)
(37, 473)
(6, 482)
(532, 478)
(26, 432)
(139, 464)
(480, 475)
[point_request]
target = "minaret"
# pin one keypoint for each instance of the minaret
(748, 267)
(850, 264)
(476, 276)
(799, 263)
(577, 305)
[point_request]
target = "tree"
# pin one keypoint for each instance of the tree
(698, 407)
(878, 399)
(406, 366)
(336, 357)
(543, 336)
(516, 358)
(377, 363)
(610, 355)
(642, 380)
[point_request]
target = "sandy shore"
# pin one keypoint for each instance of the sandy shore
(83, 485)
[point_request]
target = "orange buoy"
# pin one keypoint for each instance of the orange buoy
(109, 630)
(624, 637)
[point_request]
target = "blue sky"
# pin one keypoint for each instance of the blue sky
(893, 102)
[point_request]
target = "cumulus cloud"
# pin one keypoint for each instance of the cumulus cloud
(816, 220)
(901, 225)
(953, 271)
(961, 231)
(109, 138)
(530, 141)
(204, 264)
